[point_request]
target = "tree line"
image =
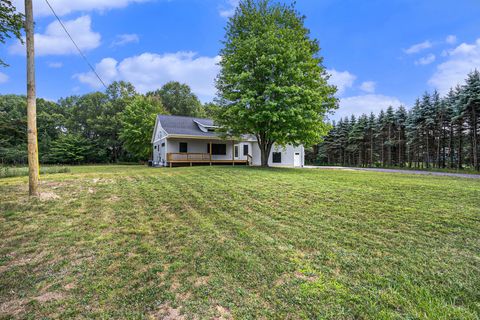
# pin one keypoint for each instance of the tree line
(100, 127)
(438, 132)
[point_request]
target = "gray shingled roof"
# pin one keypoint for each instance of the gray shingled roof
(185, 125)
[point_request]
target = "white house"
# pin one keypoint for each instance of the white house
(185, 140)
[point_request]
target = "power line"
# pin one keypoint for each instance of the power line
(76, 46)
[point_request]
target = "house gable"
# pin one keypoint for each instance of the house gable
(158, 131)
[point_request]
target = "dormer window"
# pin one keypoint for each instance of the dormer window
(205, 127)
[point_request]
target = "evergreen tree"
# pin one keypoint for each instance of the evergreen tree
(401, 143)
(436, 132)
(72, 149)
(470, 109)
(389, 128)
(380, 135)
(371, 129)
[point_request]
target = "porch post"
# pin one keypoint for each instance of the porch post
(233, 152)
(210, 152)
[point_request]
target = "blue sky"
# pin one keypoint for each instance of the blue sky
(379, 52)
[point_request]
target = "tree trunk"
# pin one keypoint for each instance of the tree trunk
(383, 152)
(460, 147)
(444, 147)
(475, 140)
(439, 142)
(400, 158)
(371, 149)
(450, 147)
(265, 148)
(409, 156)
(427, 157)
(390, 145)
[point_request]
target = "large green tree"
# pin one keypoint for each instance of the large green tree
(138, 122)
(272, 83)
(120, 94)
(13, 127)
(178, 99)
(70, 148)
(11, 23)
(470, 108)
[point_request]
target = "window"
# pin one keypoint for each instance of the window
(217, 149)
(155, 147)
(245, 149)
(236, 151)
(183, 147)
(163, 144)
(277, 157)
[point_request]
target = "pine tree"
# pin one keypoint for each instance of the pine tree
(388, 127)
(400, 125)
(380, 134)
(470, 108)
(436, 132)
(450, 101)
(371, 127)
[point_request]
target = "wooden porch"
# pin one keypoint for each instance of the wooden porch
(178, 158)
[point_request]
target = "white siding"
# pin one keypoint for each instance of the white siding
(287, 152)
(199, 146)
(159, 152)
(172, 145)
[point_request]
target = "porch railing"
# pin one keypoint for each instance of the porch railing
(188, 156)
(249, 160)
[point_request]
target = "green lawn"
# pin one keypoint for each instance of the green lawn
(245, 243)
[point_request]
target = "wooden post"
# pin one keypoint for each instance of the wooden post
(233, 152)
(33, 166)
(210, 152)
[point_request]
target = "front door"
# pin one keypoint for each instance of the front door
(235, 151)
(296, 160)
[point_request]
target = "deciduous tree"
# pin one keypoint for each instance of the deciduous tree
(178, 99)
(11, 23)
(272, 83)
(138, 122)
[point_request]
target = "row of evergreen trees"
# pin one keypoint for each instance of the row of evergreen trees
(438, 132)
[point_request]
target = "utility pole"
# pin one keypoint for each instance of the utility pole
(33, 166)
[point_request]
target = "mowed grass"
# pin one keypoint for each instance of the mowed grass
(131, 242)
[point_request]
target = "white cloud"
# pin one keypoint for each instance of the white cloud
(55, 65)
(228, 10)
(461, 61)
(426, 60)
(3, 77)
(465, 49)
(106, 69)
(149, 71)
(123, 39)
(418, 47)
(341, 79)
(368, 86)
(56, 42)
(451, 39)
(64, 7)
(357, 105)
